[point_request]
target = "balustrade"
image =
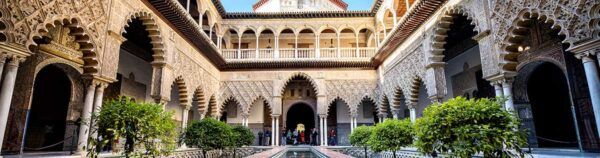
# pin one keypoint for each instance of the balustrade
(300, 53)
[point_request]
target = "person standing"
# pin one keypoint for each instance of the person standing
(283, 138)
(289, 135)
(302, 137)
(267, 137)
(332, 137)
(295, 137)
(260, 138)
(313, 137)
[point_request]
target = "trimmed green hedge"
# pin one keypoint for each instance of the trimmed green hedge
(464, 127)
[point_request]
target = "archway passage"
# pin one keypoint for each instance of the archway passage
(551, 110)
(49, 106)
(300, 113)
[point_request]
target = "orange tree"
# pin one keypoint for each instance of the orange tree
(463, 127)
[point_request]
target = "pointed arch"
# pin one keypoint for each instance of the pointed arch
(211, 108)
(223, 105)
(514, 41)
(414, 90)
(259, 98)
(383, 109)
(183, 92)
(154, 33)
(399, 99)
(200, 99)
(335, 99)
(86, 44)
(440, 33)
(303, 75)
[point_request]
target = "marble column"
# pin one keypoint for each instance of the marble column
(97, 106)
(593, 80)
(257, 49)
(498, 88)
(85, 117)
(355, 121)
(507, 90)
(276, 131)
(239, 49)
(321, 130)
(317, 46)
(8, 85)
(187, 6)
(325, 128)
(357, 46)
(338, 52)
(185, 115)
(3, 58)
(296, 46)
(351, 124)
(413, 114)
(272, 128)
(277, 46)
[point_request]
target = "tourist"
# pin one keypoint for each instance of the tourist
(313, 137)
(302, 137)
(289, 135)
(295, 137)
(283, 140)
(267, 137)
(332, 137)
(260, 138)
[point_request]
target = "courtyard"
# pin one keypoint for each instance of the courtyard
(299, 78)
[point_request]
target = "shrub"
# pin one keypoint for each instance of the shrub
(241, 136)
(208, 134)
(360, 137)
(143, 125)
(391, 135)
(463, 128)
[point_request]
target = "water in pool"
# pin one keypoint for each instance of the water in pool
(300, 154)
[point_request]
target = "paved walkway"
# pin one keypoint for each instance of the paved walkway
(560, 153)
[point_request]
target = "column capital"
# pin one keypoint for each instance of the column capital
(186, 106)
(586, 56)
(15, 60)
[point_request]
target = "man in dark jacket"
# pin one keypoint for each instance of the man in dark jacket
(260, 138)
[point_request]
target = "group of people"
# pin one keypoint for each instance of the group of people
(264, 138)
(296, 137)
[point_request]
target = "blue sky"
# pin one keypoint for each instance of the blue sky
(246, 5)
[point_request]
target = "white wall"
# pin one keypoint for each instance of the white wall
(455, 66)
(142, 70)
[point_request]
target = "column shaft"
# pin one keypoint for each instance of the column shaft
(296, 47)
(351, 124)
(239, 47)
(321, 130)
(413, 114)
(507, 90)
(276, 131)
(357, 47)
(317, 46)
(257, 50)
(593, 80)
(85, 117)
(276, 46)
(97, 107)
(339, 53)
(272, 128)
(498, 89)
(8, 85)
(326, 131)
